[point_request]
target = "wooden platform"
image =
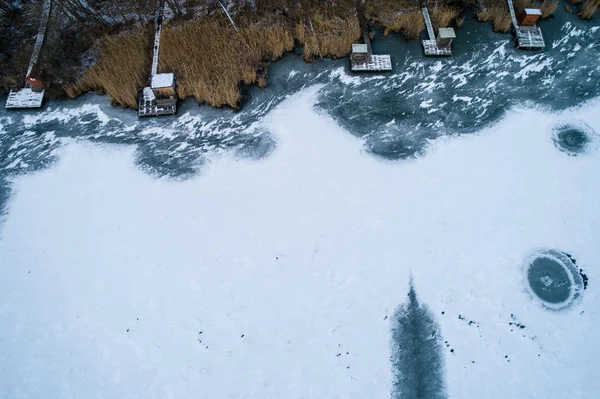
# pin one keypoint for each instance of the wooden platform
(149, 105)
(25, 98)
(430, 47)
(375, 63)
(154, 110)
(529, 37)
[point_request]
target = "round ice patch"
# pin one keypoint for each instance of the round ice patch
(574, 138)
(553, 279)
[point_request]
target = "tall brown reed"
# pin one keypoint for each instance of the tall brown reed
(548, 7)
(589, 8)
(122, 69)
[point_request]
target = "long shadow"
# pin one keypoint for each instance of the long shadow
(417, 358)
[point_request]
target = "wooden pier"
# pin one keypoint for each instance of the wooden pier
(440, 46)
(362, 58)
(528, 35)
(32, 94)
(160, 98)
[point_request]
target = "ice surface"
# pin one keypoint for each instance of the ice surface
(250, 279)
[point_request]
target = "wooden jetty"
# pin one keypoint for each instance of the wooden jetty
(160, 98)
(32, 94)
(440, 46)
(362, 58)
(527, 34)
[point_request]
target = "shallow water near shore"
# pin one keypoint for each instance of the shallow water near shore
(268, 252)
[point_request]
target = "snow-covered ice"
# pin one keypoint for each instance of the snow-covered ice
(250, 279)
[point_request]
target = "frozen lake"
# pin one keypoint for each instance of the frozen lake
(315, 244)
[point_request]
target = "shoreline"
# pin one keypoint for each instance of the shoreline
(222, 81)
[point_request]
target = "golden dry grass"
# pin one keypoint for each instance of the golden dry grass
(122, 69)
(442, 17)
(330, 36)
(548, 7)
(397, 16)
(495, 11)
(589, 8)
(409, 22)
(208, 66)
(406, 16)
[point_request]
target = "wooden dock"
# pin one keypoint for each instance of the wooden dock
(527, 37)
(32, 94)
(369, 62)
(432, 46)
(160, 98)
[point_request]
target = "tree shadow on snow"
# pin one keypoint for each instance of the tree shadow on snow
(417, 357)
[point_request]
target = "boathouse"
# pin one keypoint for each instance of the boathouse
(445, 37)
(360, 53)
(529, 16)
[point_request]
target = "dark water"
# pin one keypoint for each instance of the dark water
(396, 114)
(574, 139)
(417, 357)
(549, 280)
(554, 278)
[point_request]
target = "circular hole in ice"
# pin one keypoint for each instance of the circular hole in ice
(553, 279)
(574, 138)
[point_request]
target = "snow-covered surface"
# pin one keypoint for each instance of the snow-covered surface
(533, 11)
(148, 94)
(359, 48)
(161, 80)
(249, 280)
(25, 98)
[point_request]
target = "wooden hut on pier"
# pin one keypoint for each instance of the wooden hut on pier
(362, 58)
(31, 95)
(160, 98)
(527, 34)
(440, 45)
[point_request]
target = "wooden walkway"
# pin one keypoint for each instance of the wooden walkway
(27, 97)
(527, 37)
(40, 37)
(159, 22)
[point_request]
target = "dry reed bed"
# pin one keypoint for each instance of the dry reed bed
(122, 69)
(327, 37)
(406, 16)
(588, 8)
(397, 16)
(210, 67)
(324, 30)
